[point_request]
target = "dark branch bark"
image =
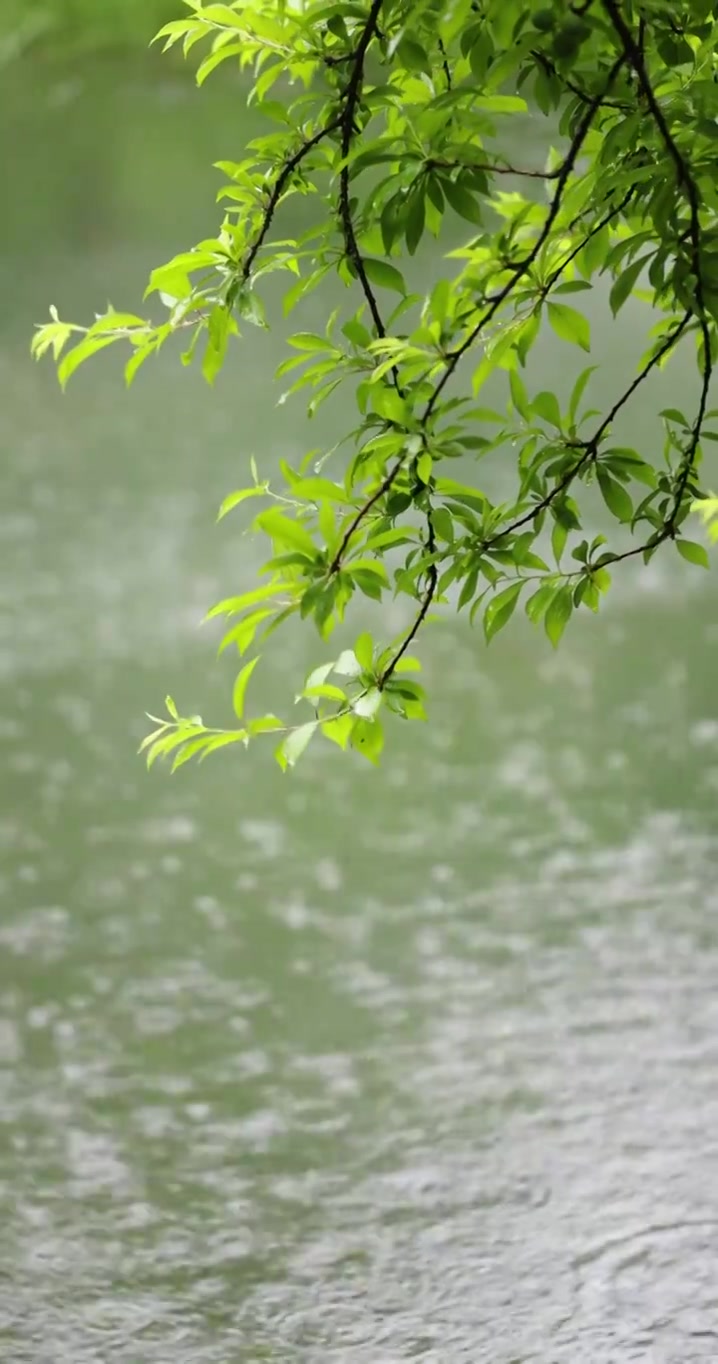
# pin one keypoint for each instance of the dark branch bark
(590, 449)
(632, 49)
(518, 271)
(432, 581)
(278, 189)
(351, 99)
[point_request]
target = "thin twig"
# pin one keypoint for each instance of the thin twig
(576, 90)
(518, 271)
(363, 512)
(445, 64)
(351, 246)
(351, 99)
(630, 53)
(432, 580)
(632, 50)
(591, 447)
(280, 184)
(491, 168)
(597, 227)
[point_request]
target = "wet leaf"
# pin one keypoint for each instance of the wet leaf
(240, 687)
(693, 553)
(500, 610)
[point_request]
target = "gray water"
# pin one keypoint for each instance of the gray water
(354, 1067)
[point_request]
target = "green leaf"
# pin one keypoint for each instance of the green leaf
(537, 605)
(310, 342)
(392, 221)
(558, 614)
(693, 553)
(136, 360)
(364, 652)
(569, 324)
(367, 582)
(673, 414)
(440, 300)
(368, 738)
(223, 740)
(443, 524)
(323, 691)
(559, 535)
(368, 704)
(415, 219)
(211, 62)
(500, 610)
(234, 499)
(424, 467)
(288, 532)
(190, 750)
(578, 391)
(264, 724)
(230, 606)
(385, 275)
(615, 496)
(623, 286)
(293, 745)
(587, 594)
(318, 675)
(338, 729)
(545, 405)
(373, 566)
(242, 635)
(316, 489)
(387, 403)
(75, 357)
(240, 687)
(407, 664)
(431, 85)
(462, 201)
(501, 104)
(526, 333)
(412, 55)
(347, 664)
(519, 395)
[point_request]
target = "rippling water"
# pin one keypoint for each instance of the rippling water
(346, 1067)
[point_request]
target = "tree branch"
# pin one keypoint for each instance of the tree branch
(491, 168)
(518, 271)
(363, 511)
(278, 189)
(351, 99)
(591, 447)
(576, 90)
(445, 64)
(597, 227)
(632, 50)
(631, 53)
(351, 247)
(432, 581)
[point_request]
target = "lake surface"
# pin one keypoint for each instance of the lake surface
(349, 1066)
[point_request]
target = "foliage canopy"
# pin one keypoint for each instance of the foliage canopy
(392, 114)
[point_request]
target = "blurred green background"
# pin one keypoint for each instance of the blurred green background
(63, 28)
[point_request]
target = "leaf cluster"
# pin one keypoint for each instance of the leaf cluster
(392, 115)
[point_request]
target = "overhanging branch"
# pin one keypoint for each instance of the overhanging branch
(349, 107)
(519, 271)
(280, 184)
(632, 50)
